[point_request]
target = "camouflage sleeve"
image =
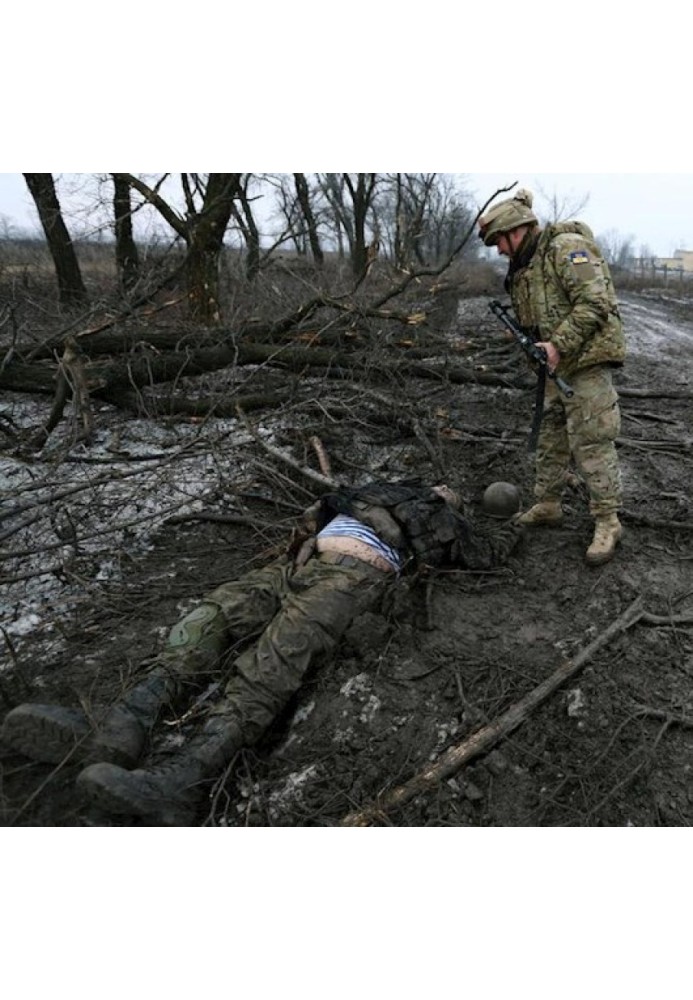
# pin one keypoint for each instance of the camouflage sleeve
(479, 549)
(581, 276)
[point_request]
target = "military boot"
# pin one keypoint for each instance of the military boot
(50, 733)
(171, 790)
(607, 534)
(544, 512)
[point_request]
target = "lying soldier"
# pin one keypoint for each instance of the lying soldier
(299, 608)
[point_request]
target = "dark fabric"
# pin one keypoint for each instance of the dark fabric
(522, 257)
(316, 605)
(538, 414)
(434, 533)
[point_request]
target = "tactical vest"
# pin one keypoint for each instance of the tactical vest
(565, 292)
(411, 518)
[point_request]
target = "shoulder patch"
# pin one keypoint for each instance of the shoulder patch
(582, 265)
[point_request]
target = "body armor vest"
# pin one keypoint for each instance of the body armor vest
(411, 518)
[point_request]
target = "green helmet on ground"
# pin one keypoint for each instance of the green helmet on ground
(507, 215)
(501, 500)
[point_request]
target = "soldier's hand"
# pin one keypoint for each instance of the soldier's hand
(553, 356)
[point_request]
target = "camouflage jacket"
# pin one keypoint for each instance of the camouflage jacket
(565, 292)
(417, 521)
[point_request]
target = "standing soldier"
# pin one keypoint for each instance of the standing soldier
(561, 287)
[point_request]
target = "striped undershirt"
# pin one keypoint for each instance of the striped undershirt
(349, 527)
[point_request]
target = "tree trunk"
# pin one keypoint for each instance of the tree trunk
(361, 200)
(71, 290)
(203, 232)
(206, 239)
(251, 235)
(311, 225)
(108, 377)
(127, 258)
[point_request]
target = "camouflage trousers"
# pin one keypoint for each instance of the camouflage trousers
(583, 428)
(296, 618)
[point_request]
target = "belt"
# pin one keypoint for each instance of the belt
(340, 559)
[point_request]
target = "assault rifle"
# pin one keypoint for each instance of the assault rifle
(537, 354)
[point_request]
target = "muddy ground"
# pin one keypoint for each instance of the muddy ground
(611, 747)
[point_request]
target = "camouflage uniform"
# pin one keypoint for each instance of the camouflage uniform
(561, 287)
(301, 613)
(295, 616)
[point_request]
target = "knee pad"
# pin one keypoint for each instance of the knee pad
(203, 627)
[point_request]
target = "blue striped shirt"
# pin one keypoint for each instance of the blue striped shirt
(349, 527)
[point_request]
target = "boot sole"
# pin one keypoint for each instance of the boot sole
(32, 731)
(44, 739)
(97, 784)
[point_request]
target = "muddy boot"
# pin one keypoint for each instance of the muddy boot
(169, 792)
(46, 732)
(50, 733)
(607, 534)
(544, 512)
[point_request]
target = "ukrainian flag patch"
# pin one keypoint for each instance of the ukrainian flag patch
(579, 257)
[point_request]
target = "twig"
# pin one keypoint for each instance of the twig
(435, 457)
(454, 757)
(15, 660)
(323, 481)
(323, 458)
(650, 522)
(629, 778)
(661, 713)
(664, 620)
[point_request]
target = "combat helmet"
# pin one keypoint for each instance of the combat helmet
(507, 215)
(501, 500)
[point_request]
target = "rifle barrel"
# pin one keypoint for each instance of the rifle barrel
(528, 345)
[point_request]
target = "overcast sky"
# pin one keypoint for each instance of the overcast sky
(656, 209)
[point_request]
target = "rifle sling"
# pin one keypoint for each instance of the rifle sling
(538, 410)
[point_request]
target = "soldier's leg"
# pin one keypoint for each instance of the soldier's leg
(551, 463)
(323, 600)
(553, 448)
(250, 602)
(233, 611)
(191, 655)
(594, 422)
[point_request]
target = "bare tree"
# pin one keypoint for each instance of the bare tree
(71, 288)
(562, 206)
(411, 202)
(303, 196)
(209, 202)
(618, 250)
(421, 217)
(350, 198)
(289, 211)
(450, 215)
(361, 190)
(245, 221)
(127, 257)
(645, 252)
